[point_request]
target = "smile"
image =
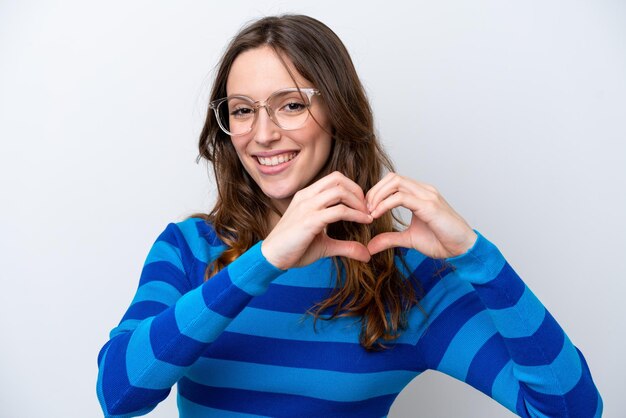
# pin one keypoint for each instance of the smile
(276, 159)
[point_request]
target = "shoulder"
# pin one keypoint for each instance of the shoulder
(198, 230)
(194, 237)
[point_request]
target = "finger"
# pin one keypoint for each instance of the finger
(394, 183)
(344, 213)
(331, 180)
(387, 240)
(339, 194)
(350, 249)
(398, 199)
(372, 193)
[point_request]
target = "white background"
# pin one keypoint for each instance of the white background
(515, 111)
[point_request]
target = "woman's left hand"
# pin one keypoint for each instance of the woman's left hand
(436, 230)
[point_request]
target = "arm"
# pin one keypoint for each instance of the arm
(509, 346)
(169, 325)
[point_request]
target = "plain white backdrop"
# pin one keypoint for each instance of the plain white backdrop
(515, 111)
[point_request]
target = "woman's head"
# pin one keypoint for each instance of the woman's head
(299, 51)
(280, 159)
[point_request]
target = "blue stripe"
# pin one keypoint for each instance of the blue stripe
(206, 230)
(196, 276)
(174, 236)
(442, 330)
(503, 291)
(343, 357)
(169, 345)
(505, 388)
(142, 310)
(443, 294)
(290, 326)
(143, 369)
(224, 297)
(164, 271)
(522, 319)
(430, 272)
(547, 343)
(520, 407)
(165, 251)
(198, 245)
(115, 382)
(487, 364)
(195, 320)
(299, 381)
(157, 291)
(247, 401)
(421, 270)
(465, 344)
(320, 273)
(557, 378)
(291, 299)
(582, 399)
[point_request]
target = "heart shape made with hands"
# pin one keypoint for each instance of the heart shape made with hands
(299, 237)
(435, 229)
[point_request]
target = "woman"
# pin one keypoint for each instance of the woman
(228, 303)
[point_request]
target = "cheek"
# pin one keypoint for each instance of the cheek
(240, 147)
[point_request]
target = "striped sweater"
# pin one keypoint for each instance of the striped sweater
(240, 345)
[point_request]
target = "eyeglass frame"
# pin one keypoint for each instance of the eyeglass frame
(308, 91)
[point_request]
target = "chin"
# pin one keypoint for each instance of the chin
(275, 194)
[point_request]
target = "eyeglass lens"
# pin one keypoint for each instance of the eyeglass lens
(288, 110)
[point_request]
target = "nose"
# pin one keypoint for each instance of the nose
(265, 130)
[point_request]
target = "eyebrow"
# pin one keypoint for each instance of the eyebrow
(282, 88)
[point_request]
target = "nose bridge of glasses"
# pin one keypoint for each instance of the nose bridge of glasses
(268, 109)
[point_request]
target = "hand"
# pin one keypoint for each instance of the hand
(299, 238)
(436, 230)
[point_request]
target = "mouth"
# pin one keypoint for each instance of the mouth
(276, 159)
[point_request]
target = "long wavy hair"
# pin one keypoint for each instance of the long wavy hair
(376, 291)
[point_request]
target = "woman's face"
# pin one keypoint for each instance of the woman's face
(257, 73)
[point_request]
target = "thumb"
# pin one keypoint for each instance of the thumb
(349, 249)
(388, 240)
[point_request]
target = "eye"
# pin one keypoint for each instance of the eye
(242, 112)
(293, 107)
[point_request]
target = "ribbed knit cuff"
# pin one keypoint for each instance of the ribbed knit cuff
(481, 263)
(251, 272)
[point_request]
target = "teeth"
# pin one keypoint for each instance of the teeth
(277, 159)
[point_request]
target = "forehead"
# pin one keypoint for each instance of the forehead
(259, 72)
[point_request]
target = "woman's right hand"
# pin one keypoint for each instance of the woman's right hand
(299, 238)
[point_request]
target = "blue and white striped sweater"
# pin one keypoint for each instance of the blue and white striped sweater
(239, 345)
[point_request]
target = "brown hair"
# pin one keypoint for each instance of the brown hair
(375, 291)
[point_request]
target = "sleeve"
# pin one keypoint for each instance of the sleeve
(169, 325)
(499, 338)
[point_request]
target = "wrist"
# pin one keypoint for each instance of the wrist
(469, 243)
(266, 251)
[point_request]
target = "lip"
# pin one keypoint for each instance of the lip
(273, 169)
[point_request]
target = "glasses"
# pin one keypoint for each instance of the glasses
(287, 108)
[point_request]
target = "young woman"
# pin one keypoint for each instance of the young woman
(298, 295)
